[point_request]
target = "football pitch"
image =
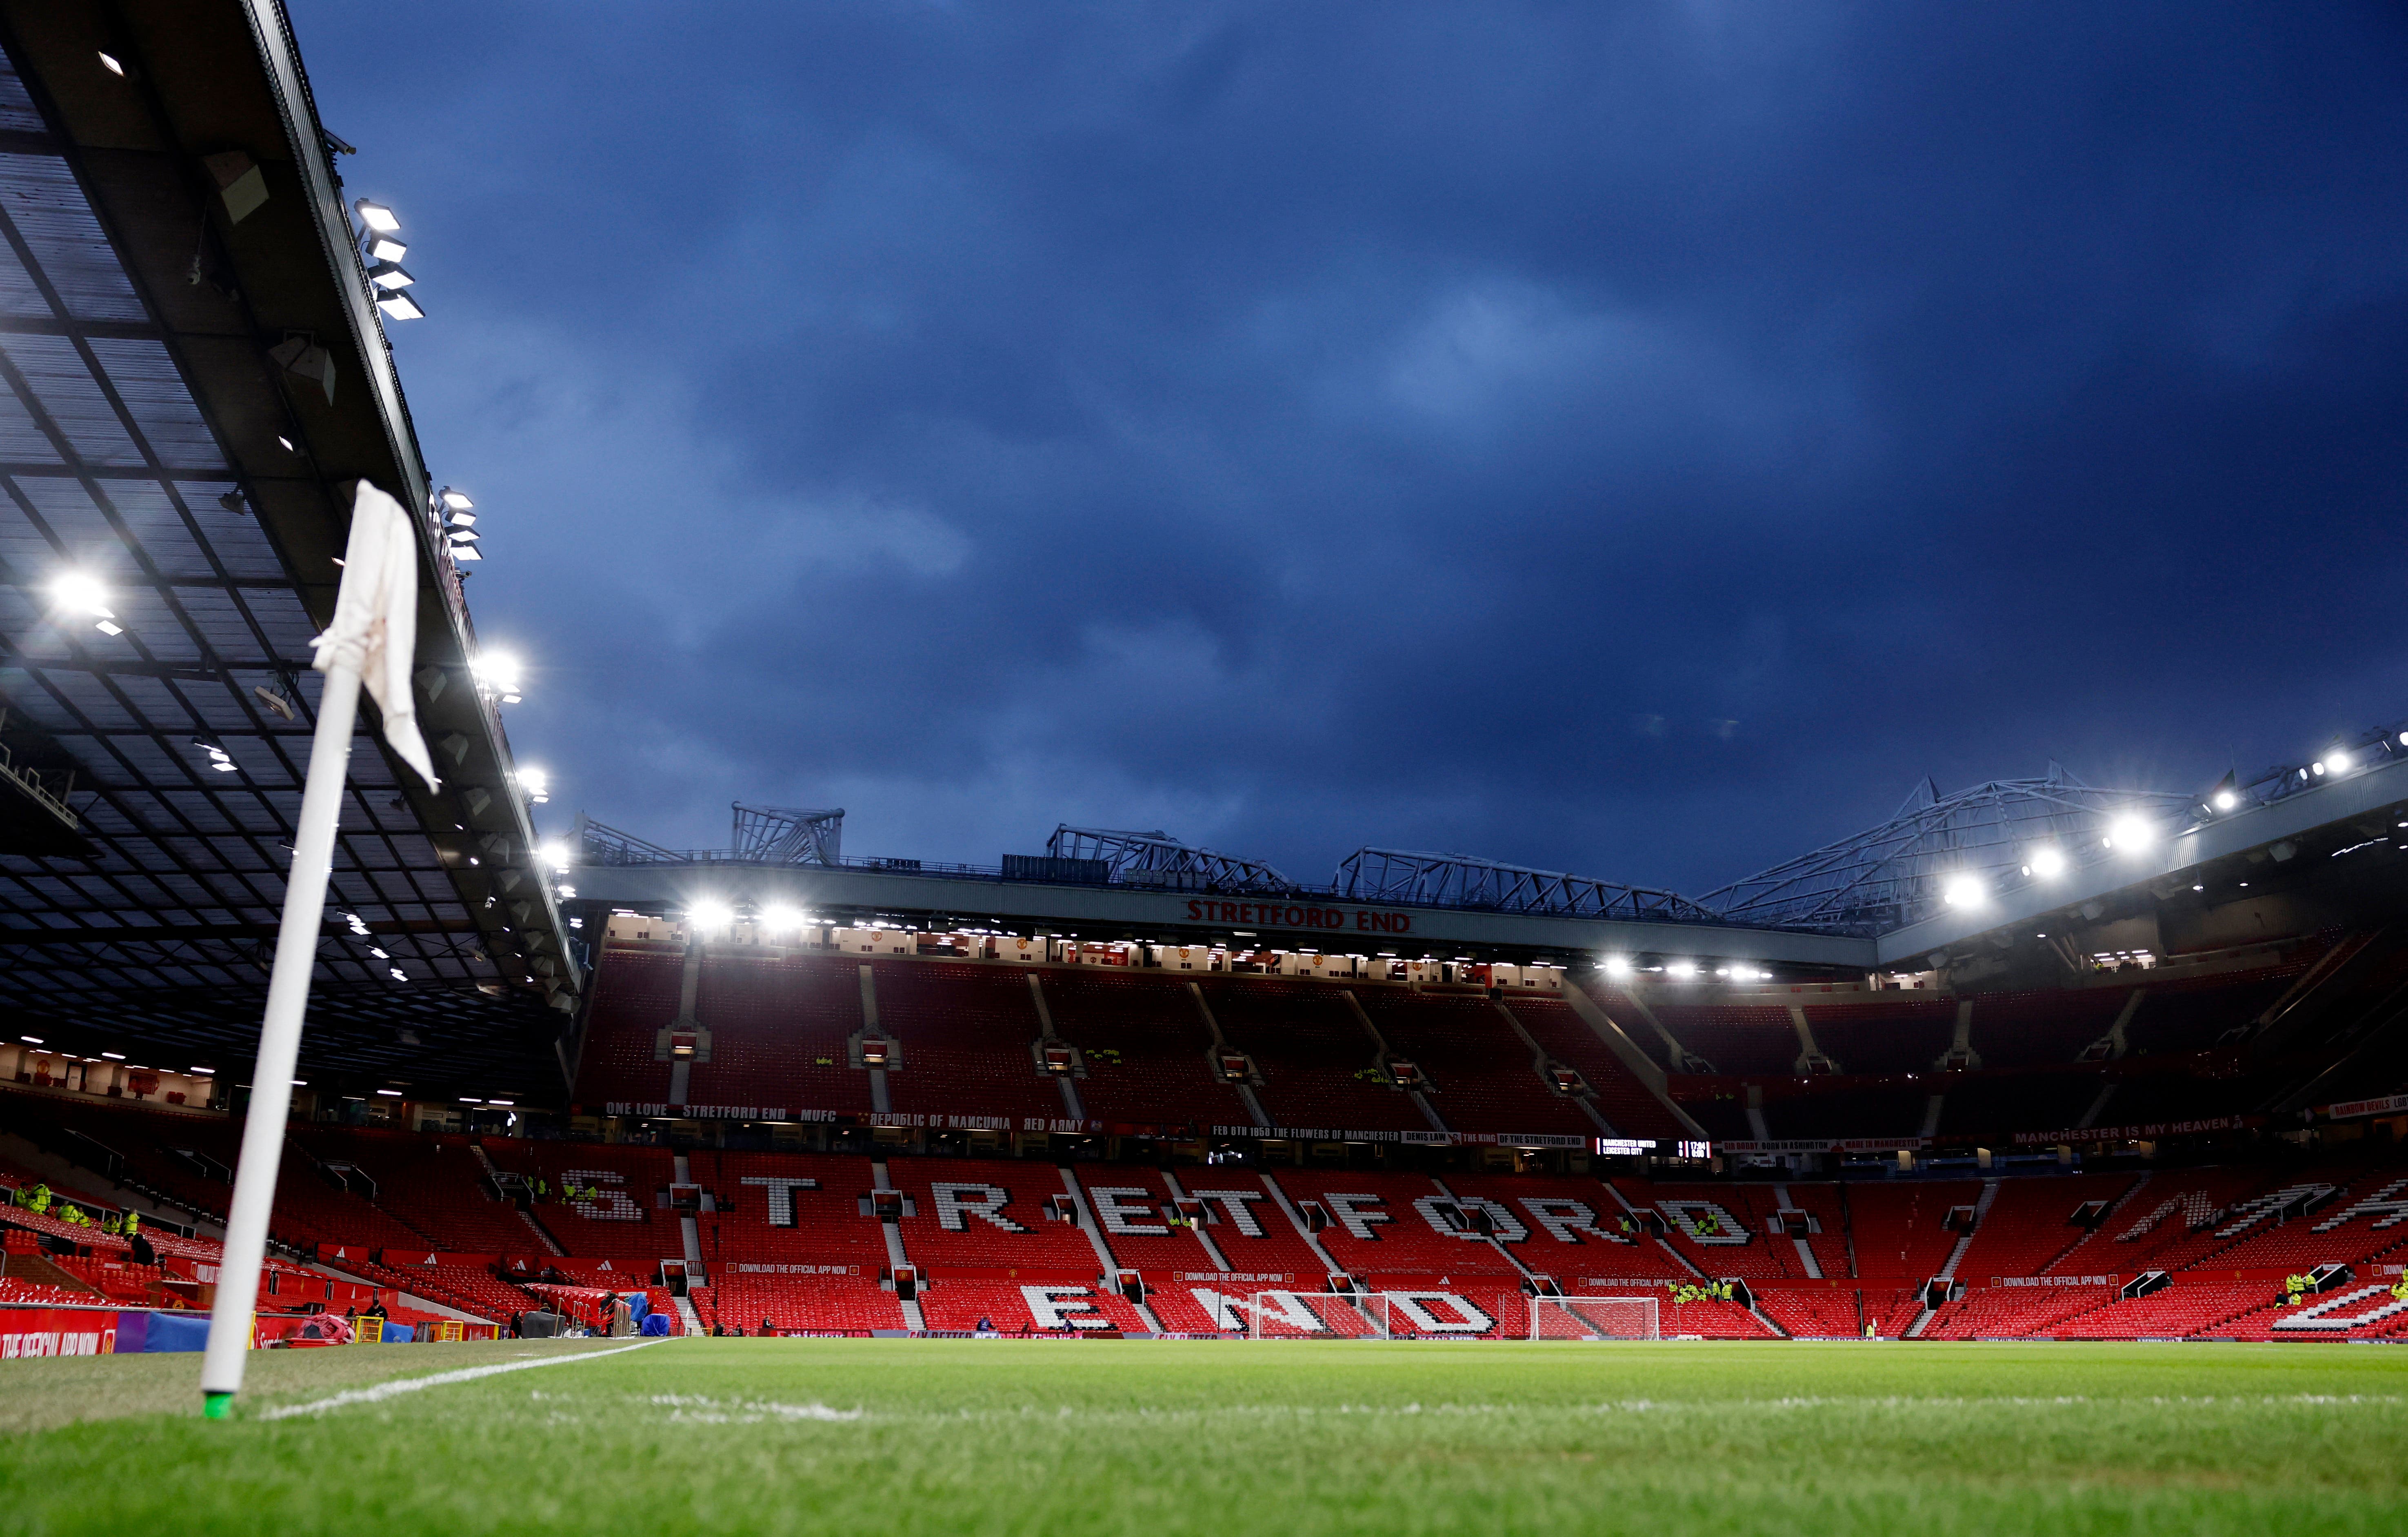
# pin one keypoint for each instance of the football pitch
(1159, 1438)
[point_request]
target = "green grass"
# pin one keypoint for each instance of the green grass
(1165, 1438)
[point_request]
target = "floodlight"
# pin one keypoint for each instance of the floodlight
(108, 61)
(393, 1094)
(390, 276)
(2131, 834)
(1682, 969)
(464, 535)
(2226, 800)
(498, 671)
(2337, 760)
(710, 915)
(378, 954)
(384, 247)
(555, 854)
(456, 501)
(2048, 862)
(398, 974)
(399, 305)
(1617, 966)
(1963, 891)
(465, 552)
(461, 520)
(114, 1057)
(782, 920)
(80, 592)
(376, 216)
(2318, 767)
(2404, 738)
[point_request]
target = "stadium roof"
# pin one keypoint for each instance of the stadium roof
(1942, 850)
(171, 218)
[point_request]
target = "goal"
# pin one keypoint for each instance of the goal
(1317, 1315)
(1376, 1315)
(1593, 1318)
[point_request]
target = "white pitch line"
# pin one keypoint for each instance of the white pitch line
(384, 1390)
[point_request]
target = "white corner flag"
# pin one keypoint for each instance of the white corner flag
(373, 639)
(375, 632)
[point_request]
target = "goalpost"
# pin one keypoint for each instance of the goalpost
(1594, 1318)
(1317, 1314)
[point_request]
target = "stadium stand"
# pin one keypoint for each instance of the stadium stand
(632, 1005)
(1395, 1227)
(2031, 1223)
(787, 1242)
(1845, 1108)
(1899, 1231)
(1316, 1058)
(780, 1027)
(1145, 1047)
(793, 1240)
(2032, 1029)
(1627, 1104)
(1721, 1229)
(1487, 1077)
(1741, 1041)
(1906, 1034)
(968, 1034)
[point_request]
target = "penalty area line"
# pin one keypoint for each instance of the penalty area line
(384, 1390)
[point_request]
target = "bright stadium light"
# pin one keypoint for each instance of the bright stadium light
(536, 783)
(710, 917)
(2047, 862)
(456, 501)
(1682, 969)
(1963, 891)
(391, 276)
(2337, 760)
(377, 217)
(2131, 834)
(397, 305)
(1617, 966)
(384, 247)
(2226, 800)
(80, 592)
(782, 920)
(555, 854)
(2318, 767)
(499, 672)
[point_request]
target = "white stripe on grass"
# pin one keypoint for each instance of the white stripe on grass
(400, 1385)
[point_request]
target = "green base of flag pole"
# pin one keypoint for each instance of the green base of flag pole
(214, 1405)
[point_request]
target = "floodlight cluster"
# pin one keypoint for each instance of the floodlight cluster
(381, 249)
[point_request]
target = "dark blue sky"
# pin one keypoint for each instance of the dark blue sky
(1642, 440)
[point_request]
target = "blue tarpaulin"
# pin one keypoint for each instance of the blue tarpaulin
(146, 1332)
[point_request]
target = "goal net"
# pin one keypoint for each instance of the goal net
(1316, 1314)
(1379, 1315)
(1593, 1318)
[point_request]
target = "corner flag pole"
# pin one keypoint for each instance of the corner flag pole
(279, 1045)
(370, 643)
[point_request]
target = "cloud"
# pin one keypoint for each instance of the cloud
(1629, 440)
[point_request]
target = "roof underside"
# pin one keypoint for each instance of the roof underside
(163, 936)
